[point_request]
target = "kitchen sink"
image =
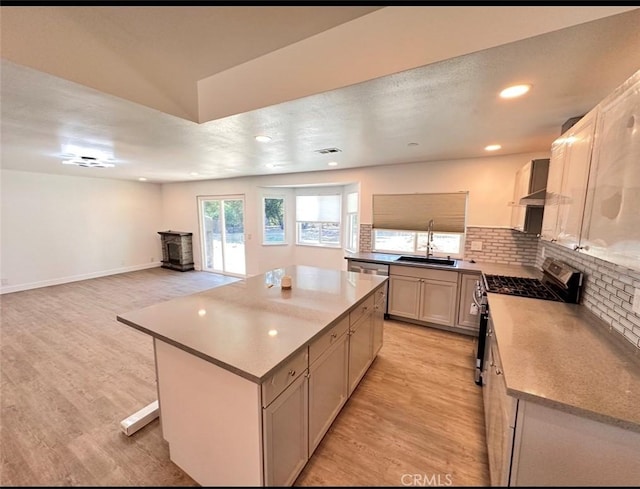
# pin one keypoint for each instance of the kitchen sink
(431, 260)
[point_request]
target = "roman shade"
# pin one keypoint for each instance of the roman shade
(412, 212)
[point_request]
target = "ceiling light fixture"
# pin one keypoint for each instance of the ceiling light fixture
(492, 147)
(194, 173)
(142, 179)
(270, 165)
(333, 163)
(515, 91)
(263, 139)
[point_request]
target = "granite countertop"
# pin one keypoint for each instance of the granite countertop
(460, 266)
(562, 356)
(233, 326)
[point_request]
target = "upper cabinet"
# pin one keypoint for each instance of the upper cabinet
(592, 202)
(611, 224)
(528, 196)
(567, 183)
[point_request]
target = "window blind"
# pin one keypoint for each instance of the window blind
(318, 208)
(412, 212)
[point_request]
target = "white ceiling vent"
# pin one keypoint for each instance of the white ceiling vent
(327, 150)
(88, 162)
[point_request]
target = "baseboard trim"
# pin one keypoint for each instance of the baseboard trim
(7, 289)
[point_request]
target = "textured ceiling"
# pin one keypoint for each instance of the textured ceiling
(125, 81)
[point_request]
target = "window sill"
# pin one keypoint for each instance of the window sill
(314, 245)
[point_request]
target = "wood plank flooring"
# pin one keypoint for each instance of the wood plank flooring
(69, 373)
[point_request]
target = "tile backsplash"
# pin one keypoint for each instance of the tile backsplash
(607, 289)
(501, 245)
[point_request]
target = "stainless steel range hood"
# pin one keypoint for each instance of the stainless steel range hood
(534, 199)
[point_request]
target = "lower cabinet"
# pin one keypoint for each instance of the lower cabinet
(424, 294)
(379, 308)
(360, 342)
(328, 387)
(285, 434)
(532, 445)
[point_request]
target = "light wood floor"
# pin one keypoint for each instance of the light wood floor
(70, 373)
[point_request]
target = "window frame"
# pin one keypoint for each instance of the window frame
(284, 242)
(416, 251)
(319, 243)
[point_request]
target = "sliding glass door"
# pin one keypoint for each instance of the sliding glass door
(222, 231)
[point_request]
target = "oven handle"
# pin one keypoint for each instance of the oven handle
(475, 294)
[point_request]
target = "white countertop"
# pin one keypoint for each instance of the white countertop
(233, 326)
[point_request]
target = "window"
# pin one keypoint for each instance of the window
(318, 220)
(352, 221)
(400, 223)
(273, 231)
(415, 242)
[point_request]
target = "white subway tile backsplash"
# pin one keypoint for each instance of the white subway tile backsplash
(607, 288)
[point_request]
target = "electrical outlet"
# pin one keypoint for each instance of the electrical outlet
(542, 253)
(476, 246)
(151, 259)
(636, 302)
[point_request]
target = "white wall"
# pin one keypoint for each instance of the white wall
(58, 229)
(489, 182)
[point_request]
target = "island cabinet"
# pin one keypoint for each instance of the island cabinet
(250, 377)
(328, 380)
(360, 341)
(379, 311)
(426, 295)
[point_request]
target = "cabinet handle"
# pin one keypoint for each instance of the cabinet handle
(334, 336)
(498, 371)
(364, 308)
(351, 331)
(292, 372)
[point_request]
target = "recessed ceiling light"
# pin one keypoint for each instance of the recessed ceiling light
(142, 179)
(492, 147)
(333, 163)
(194, 173)
(515, 91)
(270, 165)
(263, 139)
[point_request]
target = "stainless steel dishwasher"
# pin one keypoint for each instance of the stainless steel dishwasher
(374, 269)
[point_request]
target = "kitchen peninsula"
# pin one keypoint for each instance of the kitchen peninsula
(251, 375)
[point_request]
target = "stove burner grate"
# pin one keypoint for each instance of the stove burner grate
(520, 286)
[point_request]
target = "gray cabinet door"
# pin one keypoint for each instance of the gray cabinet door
(360, 349)
(285, 425)
(467, 288)
(328, 389)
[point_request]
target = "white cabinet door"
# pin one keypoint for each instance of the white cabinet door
(438, 302)
(611, 228)
(554, 191)
(404, 296)
(360, 349)
(577, 158)
(328, 389)
(466, 319)
(285, 434)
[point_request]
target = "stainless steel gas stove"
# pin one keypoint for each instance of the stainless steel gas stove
(559, 282)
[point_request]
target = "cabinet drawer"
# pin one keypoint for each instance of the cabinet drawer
(430, 273)
(327, 339)
(361, 309)
(284, 376)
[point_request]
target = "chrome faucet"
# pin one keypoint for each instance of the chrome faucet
(429, 237)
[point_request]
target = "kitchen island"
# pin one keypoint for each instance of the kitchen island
(251, 375)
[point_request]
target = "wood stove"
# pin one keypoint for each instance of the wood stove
(177, 251)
